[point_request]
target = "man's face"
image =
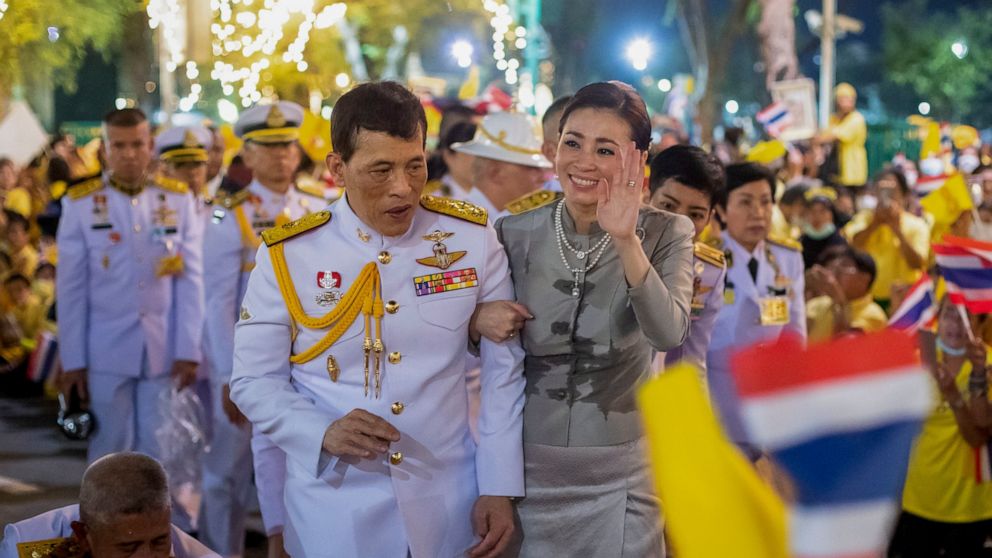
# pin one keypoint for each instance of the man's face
(147, 535)
(8, 177)
(18, 291)
(215, 156)
(128, 150)
(17, 236)
(383, 179)
(854, 282)
(272, 164)
(193, 174)
(517, 179)
(678, 198)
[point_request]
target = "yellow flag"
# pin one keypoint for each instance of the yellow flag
(470, 89)
(931, 144)
(946, 204)
(315, 136)
(715, 504)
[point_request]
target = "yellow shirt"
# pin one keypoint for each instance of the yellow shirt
(851, 133)
(781, 226)
(863, 315)
(18, 200)
(25, 261)
(884, 248)
(940, 483)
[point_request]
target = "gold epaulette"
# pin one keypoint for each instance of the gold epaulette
(434, 187)
(311, 190)
(171, 185)
(63, 547)
(275, 235)
(531, 201)
(709, 254)
(230, 200)
(84, 188)
(785, 242)
(455, 208)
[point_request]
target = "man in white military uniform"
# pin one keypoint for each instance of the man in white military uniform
(130, 290)
(361, 312)
(270, 133)
(508, 166)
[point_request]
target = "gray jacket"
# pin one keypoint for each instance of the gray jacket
(587, 355)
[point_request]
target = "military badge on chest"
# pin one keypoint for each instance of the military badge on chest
(699, 291)
(330, 281)
(442, 259)
(775, 306)
(165, 225)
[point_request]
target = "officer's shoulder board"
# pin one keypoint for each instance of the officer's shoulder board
(455, 208)
(784, 242)
(55, 548)
(709, 254)
(310, 190)
(275, 235)
(171, 185)
(230, 200)
(85, 186)
(531, 201)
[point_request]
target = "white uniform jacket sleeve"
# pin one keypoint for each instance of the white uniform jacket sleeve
(260, 383)
(499, 458)
(189, 287)
(72, 286)
(222, 284)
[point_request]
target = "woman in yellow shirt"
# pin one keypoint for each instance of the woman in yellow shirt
(947, 510)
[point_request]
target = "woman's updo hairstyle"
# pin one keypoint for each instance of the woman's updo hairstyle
(618, 97)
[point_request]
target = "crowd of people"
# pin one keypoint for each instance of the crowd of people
(403, 353)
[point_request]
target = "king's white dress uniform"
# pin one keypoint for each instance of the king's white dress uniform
(231, 241)
(416, 499)
(130, 292)
(759, 310)
(43, 529)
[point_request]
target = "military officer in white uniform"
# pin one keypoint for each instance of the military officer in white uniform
(130, 290)
(508, 164)
(349, 355)
(687, 180)
(763, 290)
(270, 133)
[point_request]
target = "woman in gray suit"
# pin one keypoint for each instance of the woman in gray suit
(608, 282)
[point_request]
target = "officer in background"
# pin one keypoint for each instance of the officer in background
(130, 290)
(688, 181)
(272, 199)
(509, 167)
(183, 155)
(763, 290)
(349, 354)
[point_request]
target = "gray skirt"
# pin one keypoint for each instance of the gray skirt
(589, 501)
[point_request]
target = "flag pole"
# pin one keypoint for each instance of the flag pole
(967, 322)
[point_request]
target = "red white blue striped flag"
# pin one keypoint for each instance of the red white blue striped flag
(840, 417)
(966, 266)
(918, 309)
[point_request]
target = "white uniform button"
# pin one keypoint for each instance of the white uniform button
(137, 228)
(134, 202)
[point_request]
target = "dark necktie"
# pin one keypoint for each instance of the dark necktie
(752, 267)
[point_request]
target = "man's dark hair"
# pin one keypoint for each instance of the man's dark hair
(125, 118)
(16, 219)
(556, 106)
(5, 162)
(691, 166)
(15, 277)
(384, 106)
(793, 194)
(896, 174)
(619, 98)
(740, 174)
(862, 261)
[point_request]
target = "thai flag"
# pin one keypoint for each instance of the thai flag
(918, 309)
(966, 266)
(775, 118)
(840, 417)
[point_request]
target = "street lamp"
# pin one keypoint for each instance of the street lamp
(960, 49)
(462, 51)
(638, 52)
(665, 85)
(924, 108)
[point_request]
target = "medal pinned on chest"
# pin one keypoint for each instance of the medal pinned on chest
(775, 307)
(331, 281)
(698, 290)
(165, 224)
(442, 259)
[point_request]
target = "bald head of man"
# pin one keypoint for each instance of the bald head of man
(124, 508)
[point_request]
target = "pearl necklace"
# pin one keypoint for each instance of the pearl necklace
(578, 273)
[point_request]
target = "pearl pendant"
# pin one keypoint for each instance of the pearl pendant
(575, 291)
(580, 254)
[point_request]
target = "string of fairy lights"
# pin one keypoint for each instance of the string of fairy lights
(246, 36)
(3, 8)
